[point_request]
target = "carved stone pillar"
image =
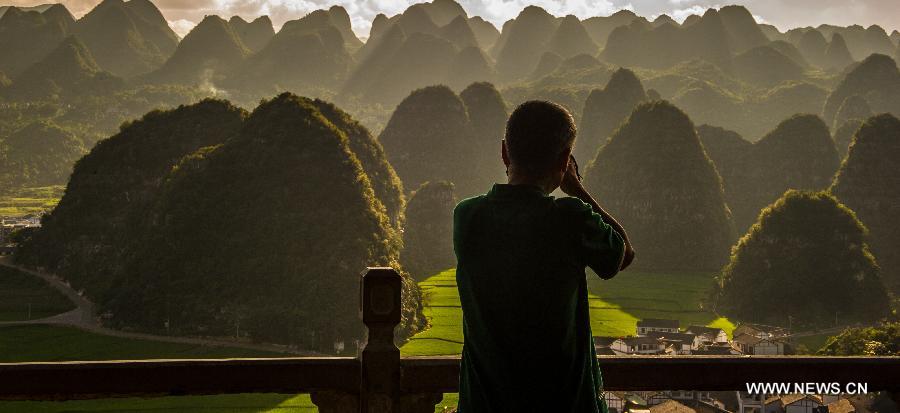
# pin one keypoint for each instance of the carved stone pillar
(381, 390)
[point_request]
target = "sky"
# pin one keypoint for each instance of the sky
(784, 14)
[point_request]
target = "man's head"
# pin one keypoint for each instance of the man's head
(538, 142)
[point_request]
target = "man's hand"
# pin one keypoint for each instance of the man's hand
(571, 182)
(571, 185)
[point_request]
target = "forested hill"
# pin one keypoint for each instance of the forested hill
(206, 217)
(204, 193)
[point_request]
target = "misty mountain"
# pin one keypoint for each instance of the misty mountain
(68, 70)
(571, 38)
(296, 59)
(210, 51)
(127, 38)
(642, 45)
(604, 110)
(876, 79)
(429, 138)
(743, 31)
(869, 184)
(798, 154)
(522, 42)
(28, 36)
(254, 35)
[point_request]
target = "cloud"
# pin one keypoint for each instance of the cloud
(181, 26)
(785, 14)
(680, 14)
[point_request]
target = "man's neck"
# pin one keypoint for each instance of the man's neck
(544, 183)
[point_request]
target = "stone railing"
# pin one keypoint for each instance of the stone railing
(382, 381)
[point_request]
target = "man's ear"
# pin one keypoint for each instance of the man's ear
(504, 152)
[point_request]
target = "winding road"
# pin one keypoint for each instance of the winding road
(83, 317)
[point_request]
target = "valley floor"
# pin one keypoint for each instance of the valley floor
(616, 305)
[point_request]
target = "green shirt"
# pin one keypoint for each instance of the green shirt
(521, 256)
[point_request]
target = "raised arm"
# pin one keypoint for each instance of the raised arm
(571, 185)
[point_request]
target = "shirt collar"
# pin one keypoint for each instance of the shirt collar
(507, 190)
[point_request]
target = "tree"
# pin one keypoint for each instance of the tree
(805, 258)
(655, 178)
(428, 235)
(869, 184)
(385, 182)
(605, 110)
(40, 154)
(882, 340)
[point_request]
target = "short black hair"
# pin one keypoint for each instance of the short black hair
(537, 133)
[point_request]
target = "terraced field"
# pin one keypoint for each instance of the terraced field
(30, 200)
(616, 306)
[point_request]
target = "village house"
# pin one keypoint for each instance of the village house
(682, 343)
(793, 403)
(615, 401)
(656, 324)
(602, 346)
(750, 403)
(638, 345)
(686, 406)
(749, 344)
(708, 335)
(723, 349)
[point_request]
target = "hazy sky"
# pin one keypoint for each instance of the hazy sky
(183, 14)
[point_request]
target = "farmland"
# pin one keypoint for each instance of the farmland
(616, 306)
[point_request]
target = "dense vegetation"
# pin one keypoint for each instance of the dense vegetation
(655, 178)
(806, 258)
(38, 155)
(429, 138)
(289, 203)
(798, 154)
(882, 340)
(869, 184)
(146, 223)
(605, 110)
(428, 235)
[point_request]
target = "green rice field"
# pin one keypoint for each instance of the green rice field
(616, 305)
(30, 200)
(24, 297)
